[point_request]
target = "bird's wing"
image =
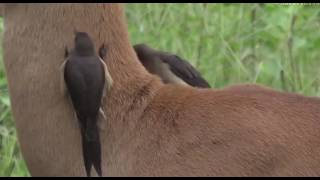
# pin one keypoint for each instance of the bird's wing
(63, 87)
(184, 70)
(108, 78)
(101, 119)
(107, 86)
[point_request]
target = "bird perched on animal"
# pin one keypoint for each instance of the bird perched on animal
(169, 67)
(87, 78)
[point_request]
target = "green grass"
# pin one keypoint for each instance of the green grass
(274, 45)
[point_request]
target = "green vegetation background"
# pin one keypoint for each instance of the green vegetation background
(274, 45)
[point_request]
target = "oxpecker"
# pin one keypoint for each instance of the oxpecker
(169, 67)
(86, 80)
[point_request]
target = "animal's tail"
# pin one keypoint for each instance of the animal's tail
(91, 148)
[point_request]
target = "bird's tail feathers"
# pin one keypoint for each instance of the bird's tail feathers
(91, 149)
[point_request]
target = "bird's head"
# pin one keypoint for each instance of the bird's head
(143, 52)
(83, 44)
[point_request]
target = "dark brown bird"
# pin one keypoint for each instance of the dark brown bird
(169, 67)
(85, 79)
